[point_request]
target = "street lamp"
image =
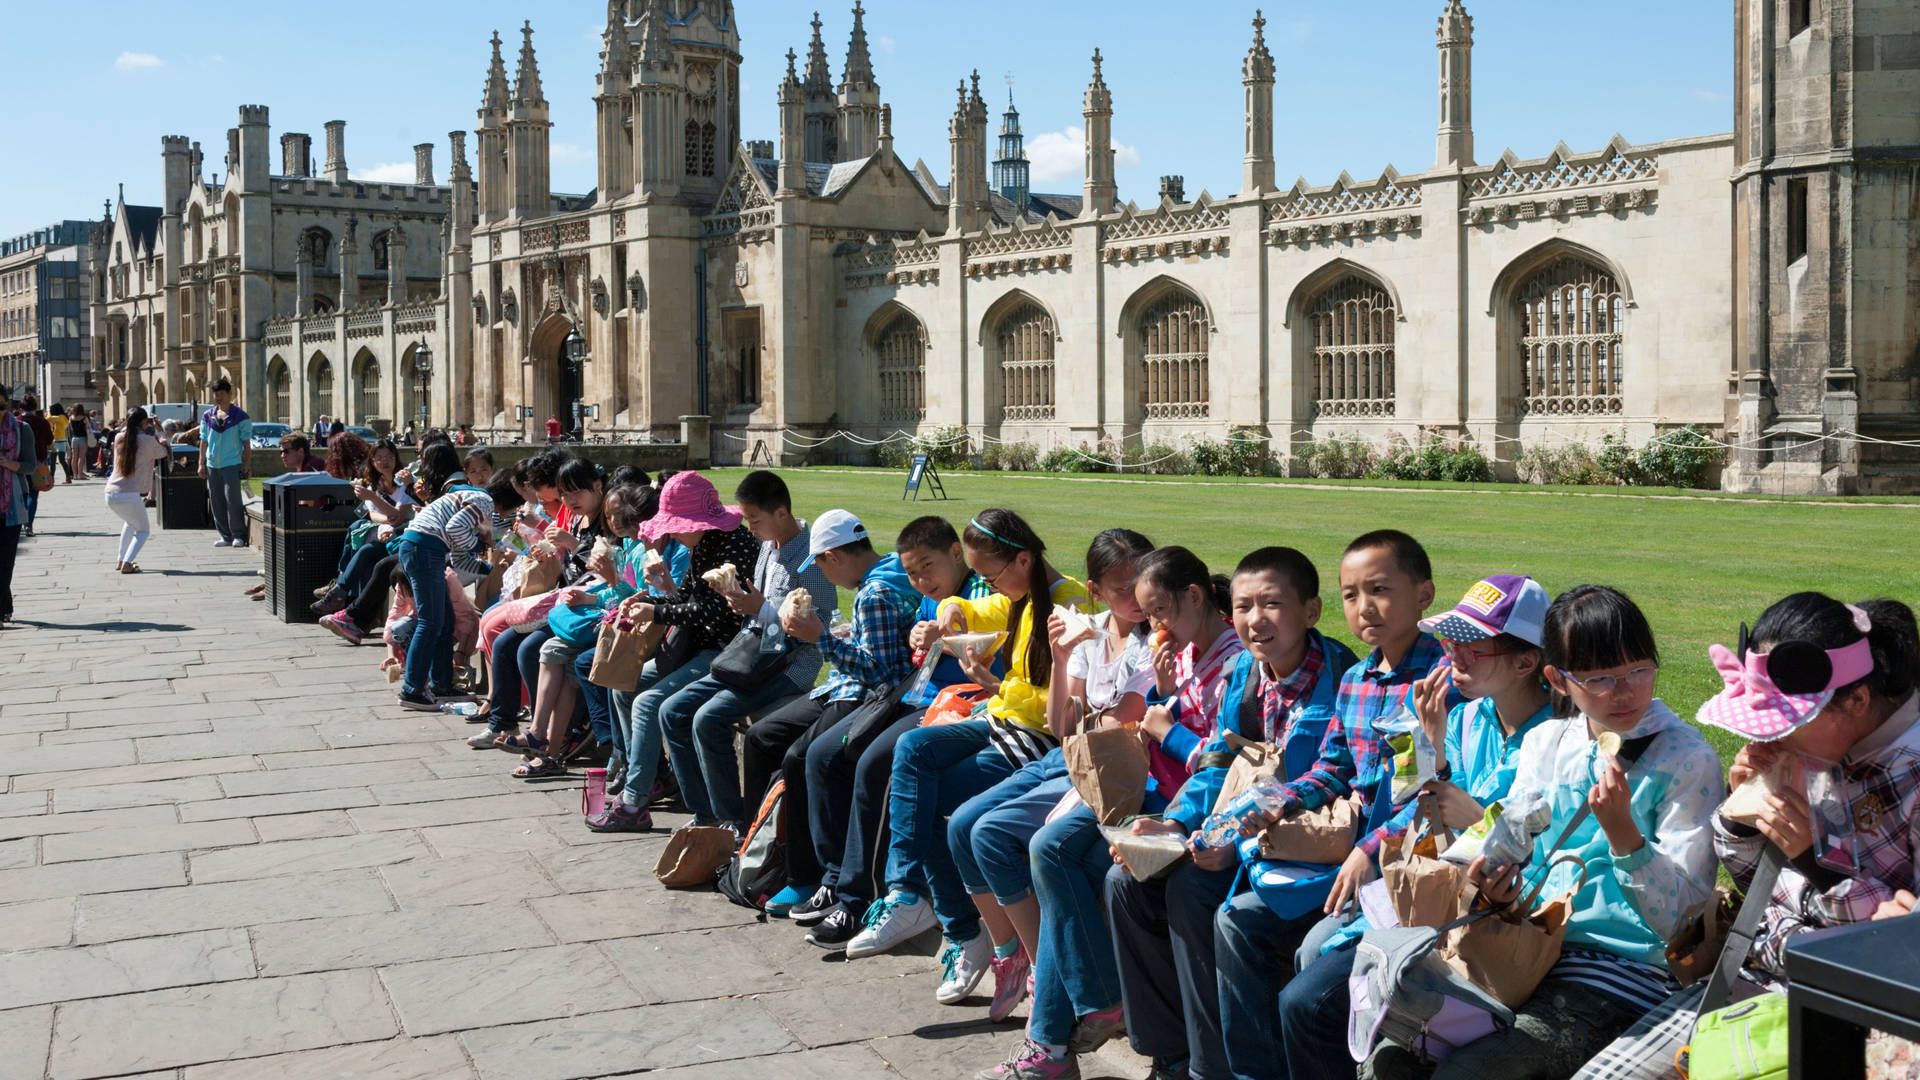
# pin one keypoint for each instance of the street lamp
(576, 352)
(423, 370)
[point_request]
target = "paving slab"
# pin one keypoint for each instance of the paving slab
(422, 815)
(305, 856)
(18, 853)
(436, 996)
(378, 940)
(26, 1034)
(154, 793)
(320, 778)
(628, 912)
(429, 884)
(107, 844)
(114, 916)
(219, 1022)
(396, 1059)
(35, 924)
(92, 821)
(309, 826)
(829, 1063)
(43, 976)
(99, 876)
(627, 1041)
(298, 802)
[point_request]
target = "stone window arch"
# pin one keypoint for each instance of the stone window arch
(366, 381)
(898, 342)
(319, 386)
(279, 391)
(1350, 339)
(382, 243)
(1020, 344)
(314, 244)
(1170, 347)
(1567, 317)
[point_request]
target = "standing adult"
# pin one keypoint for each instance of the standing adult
(135, 453)
(321, 428)
(17, 455)
(57, 420)
(42, 446)
(336, 428)
(225, 435)
(79, 439)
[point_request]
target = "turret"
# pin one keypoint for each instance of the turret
(396, 266)
(1455, 40)
(792, 174)
(350, 266)
(658, 120)
(823, 121)
(492, 134)
(859, 96)
(529, 167)
(176, 177)
(962, 215)
(1011, 169)
(1256, 74)
(296, 155)
(1101, 192)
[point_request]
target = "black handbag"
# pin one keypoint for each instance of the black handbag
(752, 659)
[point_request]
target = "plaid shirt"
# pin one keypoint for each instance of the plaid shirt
(1880, 786)
(1351, 750)
(876, 654)
(1279, 700)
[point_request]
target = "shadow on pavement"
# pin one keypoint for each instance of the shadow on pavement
(123, 627)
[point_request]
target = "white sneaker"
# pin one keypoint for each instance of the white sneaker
(966, 965)
(223, 543)
(891, 923)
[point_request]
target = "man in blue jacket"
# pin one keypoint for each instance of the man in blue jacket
(1283, 688)
(225, 433)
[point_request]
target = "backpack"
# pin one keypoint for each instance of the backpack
(759, 868)
(1403, 992)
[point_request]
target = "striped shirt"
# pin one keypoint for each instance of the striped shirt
(1642, 985)
(455, 519)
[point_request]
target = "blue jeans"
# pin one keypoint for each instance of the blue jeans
(513, 667)
(867, 831)
(597, 700)
(698, 723)
(1074, 975)
(832, 759)
(935, 769)
(639, 710)
(1313, 1019)
(356, 567)
(1254, 949)
(430, 653)
(990, 832)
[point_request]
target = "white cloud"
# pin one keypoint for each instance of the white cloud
(392, 172)
(137, 61)
(885, 43)
(1061, 155)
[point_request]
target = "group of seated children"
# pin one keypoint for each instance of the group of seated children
(933, 777)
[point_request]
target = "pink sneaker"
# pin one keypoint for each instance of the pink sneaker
(1012, 984)
(343, 628)
(1030, 1062)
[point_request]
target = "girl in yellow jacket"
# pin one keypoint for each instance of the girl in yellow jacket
(935, 769)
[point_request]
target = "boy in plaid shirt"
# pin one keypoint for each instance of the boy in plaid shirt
(1386, 586)
(873, 656)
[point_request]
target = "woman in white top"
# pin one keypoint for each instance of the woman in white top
(134, 455)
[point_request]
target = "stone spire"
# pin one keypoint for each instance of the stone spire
(859, 104)
(526, 79)
(792, 175)
(1097, 107)
(496, 94)
(1256, 74)
(652, 51)
(859, 61)
(491, 177)
(961, 213)
(819, 76)
(1455, 40)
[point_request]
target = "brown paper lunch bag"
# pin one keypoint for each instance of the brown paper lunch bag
(1255, 761)
(621, 651)
(1424, 888)
(693, 855)
(1323, 837)
(1109, 770)
(1509, 958)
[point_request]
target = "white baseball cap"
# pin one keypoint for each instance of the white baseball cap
(833, 529)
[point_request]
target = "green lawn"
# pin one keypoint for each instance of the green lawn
(1698, 567)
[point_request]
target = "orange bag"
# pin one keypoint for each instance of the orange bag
(954, 704)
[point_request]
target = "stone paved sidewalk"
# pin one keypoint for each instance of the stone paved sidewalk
(225, 852)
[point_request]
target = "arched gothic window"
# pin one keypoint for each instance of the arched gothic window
(313, 246)
(381, 242)
(1174, 337)
(1025, 338)
(369, 379)
(1352, 327)
(1569, 317)
(319, 387)
(900, 351)
(279, 391)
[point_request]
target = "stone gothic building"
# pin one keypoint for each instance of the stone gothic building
(1761, 284)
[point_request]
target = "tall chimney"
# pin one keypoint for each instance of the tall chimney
(296, 155)
(337, 151)
(423, 163)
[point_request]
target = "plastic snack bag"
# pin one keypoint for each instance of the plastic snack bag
(1413, 756)
(1505, 835)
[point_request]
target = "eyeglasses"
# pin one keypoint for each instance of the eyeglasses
(993, 579)
(1464, 655)
(1602, 685)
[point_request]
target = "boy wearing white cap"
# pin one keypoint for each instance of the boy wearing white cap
(874, 654)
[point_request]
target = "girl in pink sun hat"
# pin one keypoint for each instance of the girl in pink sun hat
(690, 504)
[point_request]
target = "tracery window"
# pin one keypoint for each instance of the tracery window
(1569, 325)
(369, 389)
(901, 354)
(1025, 339)
(1174, 337)
(1352, 327)
(692, 148)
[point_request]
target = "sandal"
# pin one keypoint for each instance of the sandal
(523, 742)
(130, 568)
(540, 767)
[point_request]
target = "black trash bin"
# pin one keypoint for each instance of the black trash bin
(306, 520)
(180, 494)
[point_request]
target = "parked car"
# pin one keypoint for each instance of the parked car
(267, 436)
(365, 432)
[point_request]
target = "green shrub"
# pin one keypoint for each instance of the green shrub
(1570, 463)
(1337, 457)
(1019, 457)
(1435, 458)
(1679, 459)
(1247, 453)
(1207, 457)
(1059, 459)
(950, 446)
(1617, 463)
(1161, 459)
(991, 456)
(893, 455)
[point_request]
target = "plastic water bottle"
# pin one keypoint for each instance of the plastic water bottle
(463, 708)
(1222, 827)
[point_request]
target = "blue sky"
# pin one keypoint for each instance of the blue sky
(1356, 82)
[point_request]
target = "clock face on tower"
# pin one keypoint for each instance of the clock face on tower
(700, 80)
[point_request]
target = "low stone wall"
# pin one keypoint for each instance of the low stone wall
(653, 457)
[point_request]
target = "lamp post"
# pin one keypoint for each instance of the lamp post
(423, 371)
(46, 374)
(576, 353)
